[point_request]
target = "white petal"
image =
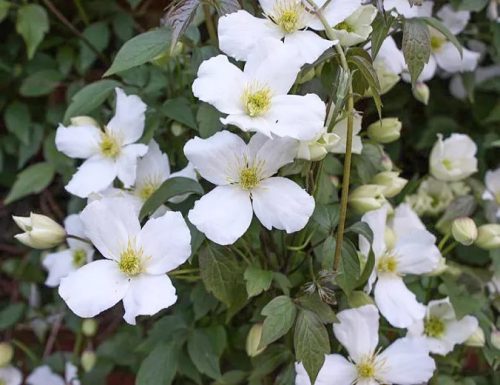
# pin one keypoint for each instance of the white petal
(153, 167)
(396, 302)
(391, 56)
(110, 223)
(457, 332)
(58, 265)
(128, 122)
(428, 72)
(78, 141)
(376, 219)
(262, 124)
(335, 367)
(71, 374)
(94, 288)
(404, 8)
(406, 220)
(126, 163)
(448, 58)
(166, 241)
(455, 21)
(223, 215)
(416, 252)
(219, 158)
(240, 32)
(340, 129)
(406, 362)
(221, 84)
(492, 181)
(43, 375)
(300, 117)
(12, 375)
(94, 175)
(335, 12)
(74, 226)
(270, 154)
(280, 203)
(147, 295)
(357, 331)
(310, 46)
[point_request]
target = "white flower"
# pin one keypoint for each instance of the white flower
(108, 153)
(79, 253)
(40, 231)
(454, 158)
(389, 64)
(340, 129)
(243, 174)
(135, 263)
(405, 362)
(9, 375)
(441, 329)
(240, 32)
(43, 375)
(401, 247)
(404, 8)
(357, 27)
(315, 150)
(480, 75)
(492, 182)
(256, 99)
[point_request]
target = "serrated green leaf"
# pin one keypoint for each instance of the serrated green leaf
(314, 303)
(280, 315)
(31, 181)
(436, 24)
(203, 354)
(40, 83)
(160, 366)
(257, 280)
(32, 24)
(178, 17)
(416, 46)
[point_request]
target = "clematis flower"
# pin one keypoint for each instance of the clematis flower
(454, 158)
(43, 375)
(10, 375)
(441, 329)
(240, 32)
(492, 193)
(405, 362)
(79, 253)
(243, 174)
(108, 153)
(256, 99)
(315, 150)
(340, 129)
(357, 27)
(135, 263)
(401, 246)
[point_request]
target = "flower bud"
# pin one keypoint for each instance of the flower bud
(367, 197)
(253, 341)
(488, 236)
(89, 327)
(464, 230)
(386, 162)
(495, 339)
(177, 129)
(422, 93)
(6, 354)
(88, 360)
(317, 149)
(83, 121)
(386, 130)
(391, 182)
(477, 339)
(40, 232)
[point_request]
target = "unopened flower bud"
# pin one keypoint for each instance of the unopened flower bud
(40, 232)
(89, 327)
(477, 339)
(422, 93)
(83, 121)
(464, 230)
(317, 149)
(253, 341)
(88, 360)
(306, 76)
(177, 129)
(367, 197)
(6, 354)
(386, 162)
(386, 130)
(391, 182)
(495, 338)
(488, 236)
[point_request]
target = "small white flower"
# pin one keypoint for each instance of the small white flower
(454, 158)
(405, 362)
(441, 329)
(492, 193)
(316, 150)
(10, 375)
(389, 64)
(108, 153)
(357, 27)
(79, 253)
(340, 129)
(43, 375)
(256, 99)
(243, 174)
(135, 263)
(410, 249)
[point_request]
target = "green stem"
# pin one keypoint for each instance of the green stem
(81, 11)
(212, 32)
(78, 346)
(25, 349)
(78, 238)
(443, 241)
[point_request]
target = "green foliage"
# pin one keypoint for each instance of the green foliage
(31, 181)
(280, 316)
(32, 24)
(416, 46)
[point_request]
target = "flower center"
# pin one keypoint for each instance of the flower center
(344, 26)
(366, 369)
(437, 40)
(131, 261)
(147, 190)
(288, 15)
(79, 258)
(249, 178)
(447, 164)
(387, 264)
(256, 101)
(110, 147)
(434, 327)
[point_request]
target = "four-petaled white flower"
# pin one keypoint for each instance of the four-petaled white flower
(79, 253)
(245, 184)
(441, 329)
(454, 158)
(405, 362)
(108, 153)
(492, 192)
(401, 246)
(256, 99)
(135, 263)
(10, 375)
(357, 27)
(43, 375)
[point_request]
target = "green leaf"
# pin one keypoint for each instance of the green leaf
(140, 49)
(32, 24)
(169, 189)
(311, 343)
(469, 5)
(40, 83)
(10, 315)
(280, 315)
(18, 121)
(31, 181)
(227, 6)
(89, 98)
(313, 302)
(178, 17)
(202, 352)
(4, 9)
(416, 46)
(366, 68)
(367, 270)
(160, 366)
(361, 228)
(436, 24)
(98, 35)
(359, 298)
(179, 109)
(349, 269)
(381, 26)
(208, 119)
(257, 280)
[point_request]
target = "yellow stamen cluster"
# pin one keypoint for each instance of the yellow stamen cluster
(249, 178)
(434, 327)
(147, 190)
(448, 164)
(437, 40)
(79, 258)
(344, 26)
(110, 146)
(256, 101)
(131, 261)
(387, 264)
(366, 369)
(288, 15)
